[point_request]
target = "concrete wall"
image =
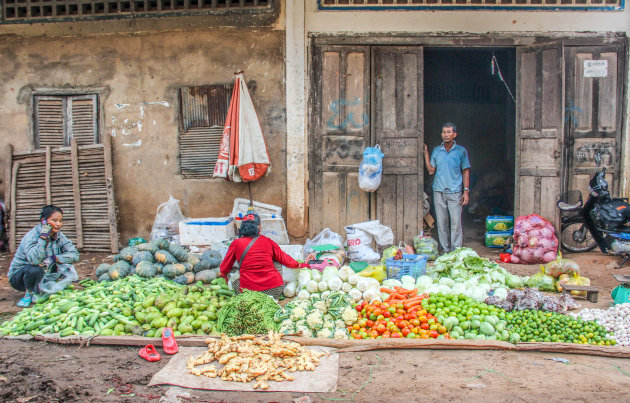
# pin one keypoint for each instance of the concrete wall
(138, 75)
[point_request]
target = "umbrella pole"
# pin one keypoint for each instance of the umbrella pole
(251, 200)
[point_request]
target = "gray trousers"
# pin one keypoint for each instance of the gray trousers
(448, 208)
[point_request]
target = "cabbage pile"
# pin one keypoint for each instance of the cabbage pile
(318, 317)
(313, 283)
(463, 271)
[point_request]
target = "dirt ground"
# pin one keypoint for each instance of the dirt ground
(38, 372)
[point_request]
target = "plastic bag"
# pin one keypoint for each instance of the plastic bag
(425, 245)
(359, 240)
(569, 302)
(167, 218)
(371, 169)
(576, 279)
(327, 236)
(389, 253)
(561, 266)
(527, 304)
(535, 240)
(541, 281)
(57, 281)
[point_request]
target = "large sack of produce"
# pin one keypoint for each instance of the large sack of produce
(535, 240)
(560, 266)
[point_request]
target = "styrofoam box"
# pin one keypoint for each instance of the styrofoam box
(263, 209)
(205, 231)
(274, 228)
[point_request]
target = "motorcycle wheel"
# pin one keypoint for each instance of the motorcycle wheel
(575, 237)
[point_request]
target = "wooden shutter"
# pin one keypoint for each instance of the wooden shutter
(83, 124)
(539, 130)
(203, 110)
(49, 121)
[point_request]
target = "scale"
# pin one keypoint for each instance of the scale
(621, 293)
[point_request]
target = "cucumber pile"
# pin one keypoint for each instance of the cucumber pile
(130, 306)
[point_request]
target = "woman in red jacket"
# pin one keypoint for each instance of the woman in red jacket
(256, 255)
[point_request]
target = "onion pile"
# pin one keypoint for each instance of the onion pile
(615, 319)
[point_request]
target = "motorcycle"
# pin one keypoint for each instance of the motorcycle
(602, 221)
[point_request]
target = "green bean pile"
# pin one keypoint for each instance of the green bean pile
(251, 312)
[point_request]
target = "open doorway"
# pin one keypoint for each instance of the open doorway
(465, 87)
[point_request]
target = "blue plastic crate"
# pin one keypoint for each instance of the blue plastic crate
(410, 265)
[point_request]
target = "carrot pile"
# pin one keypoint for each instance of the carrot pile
(399, 295)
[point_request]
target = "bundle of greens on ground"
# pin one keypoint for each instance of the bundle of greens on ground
(463, 271)
(317, 317)
(161, 258)
(133, 305)
(251, 312)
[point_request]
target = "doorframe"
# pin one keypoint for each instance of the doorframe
(491, 40)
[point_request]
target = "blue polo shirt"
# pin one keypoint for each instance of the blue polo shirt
(449, 166)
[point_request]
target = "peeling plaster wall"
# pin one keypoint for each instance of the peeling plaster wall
(138, 77)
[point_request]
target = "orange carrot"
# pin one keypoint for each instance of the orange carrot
(388, 290)
(413, 293)
(411, 304)
(402, 291)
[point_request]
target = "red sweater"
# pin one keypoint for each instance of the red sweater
(257, 271)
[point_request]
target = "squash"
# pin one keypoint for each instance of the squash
(104, 277)
(193, 259)
(162, 243)
(142, 256)
(116, 273)
(102, 268)
(165, 257)
(158, 267)
(128, 252)
(116, 257)
(173, 270)
(146, 269)
(186, 278)
(148, 247)
(210, 253)
(205, 276)
(122, 264)
(188, 266)
(179, 252)
(201, 266)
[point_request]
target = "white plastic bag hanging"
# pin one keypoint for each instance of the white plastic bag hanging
(371, 169)
(167, 218)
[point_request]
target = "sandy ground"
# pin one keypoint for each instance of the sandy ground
(38, 372)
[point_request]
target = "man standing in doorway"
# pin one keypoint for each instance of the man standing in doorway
(449, 162)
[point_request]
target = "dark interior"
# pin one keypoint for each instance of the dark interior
(460, 87)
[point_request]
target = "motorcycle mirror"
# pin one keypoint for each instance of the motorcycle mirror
(598, 159)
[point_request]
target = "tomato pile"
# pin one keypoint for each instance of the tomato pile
(399, 316)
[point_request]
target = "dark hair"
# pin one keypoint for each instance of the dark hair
(249, 226)
(449, 124)
(49, 210)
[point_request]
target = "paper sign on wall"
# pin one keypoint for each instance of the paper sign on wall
(595, 68)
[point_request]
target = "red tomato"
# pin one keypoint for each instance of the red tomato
(415, 322)
(422, 319)
(405, 332)
(386, 335)
(358, 308)
(369, 323)
(373, 333)
(424, 326)
(364, 303)
(377, 311)
(387, 314)
(397, 335)
(357, 336)
(381, 328)
(433, 334)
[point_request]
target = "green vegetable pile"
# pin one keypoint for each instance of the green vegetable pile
(554, 327)
(132, 305)
(466, 318)
(251, 312)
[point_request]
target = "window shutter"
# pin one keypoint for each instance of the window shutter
(49, 121)
(202, 118)
(83, 123)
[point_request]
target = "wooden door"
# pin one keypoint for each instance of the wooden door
(539, 130)
(340, 130)
(594, 87)
(398, 129)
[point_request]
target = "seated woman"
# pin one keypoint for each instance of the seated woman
(256, 255)
(43, 262)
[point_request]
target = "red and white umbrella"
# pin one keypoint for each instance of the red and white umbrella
(243, 154)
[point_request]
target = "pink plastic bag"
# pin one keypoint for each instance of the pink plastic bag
(535, 240)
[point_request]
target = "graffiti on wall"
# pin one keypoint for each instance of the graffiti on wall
(351, 121)
(587, 154)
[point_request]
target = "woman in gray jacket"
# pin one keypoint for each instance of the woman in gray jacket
(43, 262)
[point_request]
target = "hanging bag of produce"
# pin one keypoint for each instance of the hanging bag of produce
(371, 169)
(167, 218)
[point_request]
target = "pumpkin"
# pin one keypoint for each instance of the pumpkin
(173, 270)
(158, 267)
(148, 246)
(186, 278)
(205, 276)
(128, 252)
(142, 256)
(104, 277)
(180, 253)
(188, 266)
(162, 243)
(165, 257)
(210, 253)
(116, 273)
(117, 257)
(122, 264)
(192, 259)
(201, 266)
(146, 269)
(102, 268)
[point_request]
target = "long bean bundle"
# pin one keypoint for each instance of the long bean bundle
(251, 312)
